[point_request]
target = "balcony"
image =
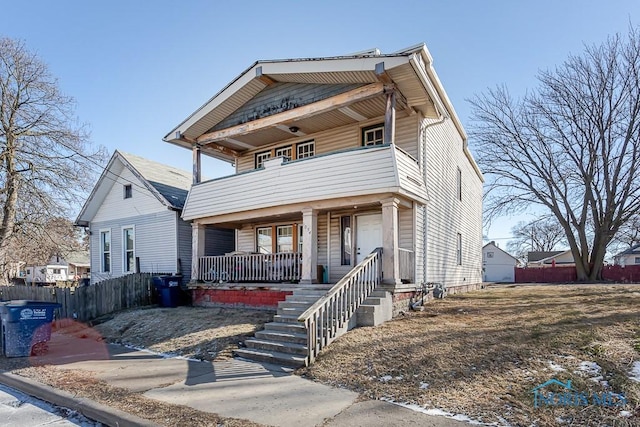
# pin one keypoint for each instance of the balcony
(348, 173)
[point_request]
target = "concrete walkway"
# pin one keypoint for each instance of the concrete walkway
(233, 388)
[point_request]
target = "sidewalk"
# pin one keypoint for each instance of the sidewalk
(231, 388)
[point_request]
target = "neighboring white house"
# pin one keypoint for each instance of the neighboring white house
(629, 257)
(497, 265)
(56, 270)
(133, 218)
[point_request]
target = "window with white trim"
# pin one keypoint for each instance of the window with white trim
(127, 191)
(128, 250)
(265, 240)
(459, 249)
(284, 238)
(305, 149)
(261, 158)
(637, 260)
(284, 152)
(373, 135)
(105, 251)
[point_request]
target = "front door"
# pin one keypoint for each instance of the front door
(368, 235)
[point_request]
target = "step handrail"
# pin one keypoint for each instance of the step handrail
(329, 316)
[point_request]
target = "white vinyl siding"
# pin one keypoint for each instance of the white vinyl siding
(156, 245)
(114, 206)
(446, 215)
(352, 173)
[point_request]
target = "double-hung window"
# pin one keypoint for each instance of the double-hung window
(459, 249)
(285, 238)
(265, 241)
(105, 251)
(128, 250)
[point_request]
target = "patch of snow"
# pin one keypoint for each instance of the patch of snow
(590, 368)
(423, 386)
(437, 412)
(634, 375)
(554, 366)
(625, 414)
(399, 377)
(599, 379)
(386, 378)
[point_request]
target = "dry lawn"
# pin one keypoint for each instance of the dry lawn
(482, 353)
(478, 354)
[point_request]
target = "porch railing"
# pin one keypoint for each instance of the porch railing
(278, 267)
(407, 262)
(328, 318)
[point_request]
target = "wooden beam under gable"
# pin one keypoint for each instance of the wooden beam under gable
(210, 146)
(335, 102)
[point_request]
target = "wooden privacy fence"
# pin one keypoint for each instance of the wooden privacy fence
(90, 302)
(612, 273)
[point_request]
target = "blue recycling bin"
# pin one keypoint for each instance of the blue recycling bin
(168, 288)
(26, 326)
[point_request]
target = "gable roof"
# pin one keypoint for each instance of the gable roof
(410, 70)
(168, 184)
(492, 243)
(549, 259)
(634, 250)
(534, 256)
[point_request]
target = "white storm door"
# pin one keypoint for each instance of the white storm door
(368, 235)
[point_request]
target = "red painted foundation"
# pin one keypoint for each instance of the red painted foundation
(249, 298)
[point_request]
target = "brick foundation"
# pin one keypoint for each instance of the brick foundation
(261, 299)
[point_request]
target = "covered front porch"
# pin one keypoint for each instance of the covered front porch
(272, 250)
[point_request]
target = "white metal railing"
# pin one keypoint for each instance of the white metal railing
(278, 267)
(407, 263)
(329, 317)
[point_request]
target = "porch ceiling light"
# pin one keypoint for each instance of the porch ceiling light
(294, 129)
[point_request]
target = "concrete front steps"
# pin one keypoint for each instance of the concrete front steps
(283, 342)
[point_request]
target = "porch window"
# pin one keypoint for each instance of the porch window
(128, 249)
(285, 238)
(264, 240)
(373, 135)
(305, 149)
(459, 249)
(261, 158)
(284, 152)
(345, 240)
(105, 251)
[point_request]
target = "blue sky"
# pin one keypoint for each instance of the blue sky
(138, 68)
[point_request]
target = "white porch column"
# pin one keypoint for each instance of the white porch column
(197, 248)
(390, 264)
(309, 246)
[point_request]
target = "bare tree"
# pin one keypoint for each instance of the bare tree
(45, 155)
(540, 235)
(571, 146)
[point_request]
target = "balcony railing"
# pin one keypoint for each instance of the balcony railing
(278, 267)
(407, 262)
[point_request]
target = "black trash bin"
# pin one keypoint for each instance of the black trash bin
(168, 288)
(26, 326)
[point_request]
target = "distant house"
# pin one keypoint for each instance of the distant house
(79, 264)
(629, 257)
(497, 265)
(550, 259)
(55, 270)
(134, 223)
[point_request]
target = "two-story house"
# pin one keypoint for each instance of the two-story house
(334, 158)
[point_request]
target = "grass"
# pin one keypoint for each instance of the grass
(482, 353)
